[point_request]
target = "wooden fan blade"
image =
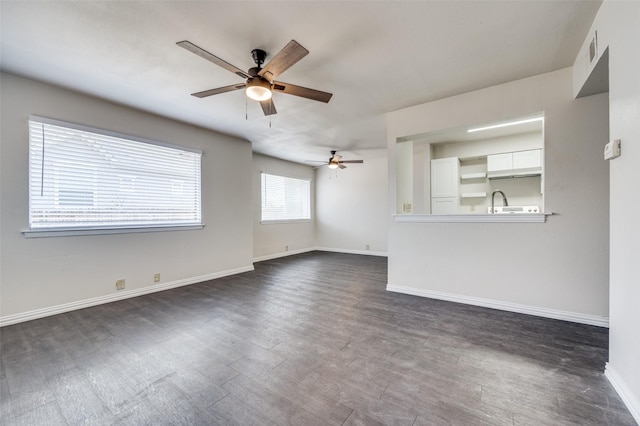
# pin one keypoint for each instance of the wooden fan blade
(284, 59)
(336, 157)
(353, 161)
(212, 58)
(219, 90)
(303, 92)
(342, 166)
(268, 107)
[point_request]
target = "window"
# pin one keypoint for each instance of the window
(285, 198)
(82, 178)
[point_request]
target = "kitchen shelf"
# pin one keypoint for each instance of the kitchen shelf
(480, 175)
(473, 194)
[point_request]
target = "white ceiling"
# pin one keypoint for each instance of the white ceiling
(374, 57)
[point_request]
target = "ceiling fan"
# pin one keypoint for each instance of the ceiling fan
(260, 81)
(336, 161)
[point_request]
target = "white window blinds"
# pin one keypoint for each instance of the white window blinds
(84, 178)
(285, 198)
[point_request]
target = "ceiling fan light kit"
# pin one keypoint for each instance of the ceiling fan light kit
(260, 82)
(258, 89)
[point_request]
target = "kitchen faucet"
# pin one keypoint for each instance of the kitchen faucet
(504, 199)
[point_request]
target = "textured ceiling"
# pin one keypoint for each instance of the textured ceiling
(374, 57)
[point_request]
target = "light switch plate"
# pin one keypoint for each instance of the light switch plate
(612, 149)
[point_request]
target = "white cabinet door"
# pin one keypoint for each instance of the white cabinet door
(527, 159)
(499, 162)
(512, 164)
(444, 205)
(445, 174)
(445, 177)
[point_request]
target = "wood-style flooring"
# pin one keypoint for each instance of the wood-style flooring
(310, 339)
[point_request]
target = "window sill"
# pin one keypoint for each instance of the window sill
(70, 232)
(472, 218)
(279, 222)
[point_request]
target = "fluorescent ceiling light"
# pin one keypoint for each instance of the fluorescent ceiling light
(510, 123)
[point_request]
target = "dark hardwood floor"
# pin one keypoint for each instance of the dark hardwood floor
(304, 340)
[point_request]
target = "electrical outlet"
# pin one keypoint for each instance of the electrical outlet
(286, 248)
(367, 247)
(120, 285)
(156, 278)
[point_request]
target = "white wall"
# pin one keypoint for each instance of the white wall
(558, 268)
(405, 176)
(618, 27)
(351, 205)
(272, 240)
(422, 154)
(484, 147)
(45, 275)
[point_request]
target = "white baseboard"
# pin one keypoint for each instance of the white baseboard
(631, 401)
(120, 295)
(349, 251)
(504, 306)
(282, 254)
(334, 250)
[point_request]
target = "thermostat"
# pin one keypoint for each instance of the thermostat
(612, 149)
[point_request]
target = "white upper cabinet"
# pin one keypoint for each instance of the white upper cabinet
(499, 162)
(531, 159)
(514, 164)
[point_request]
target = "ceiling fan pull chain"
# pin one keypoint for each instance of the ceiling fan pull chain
(246, 113)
